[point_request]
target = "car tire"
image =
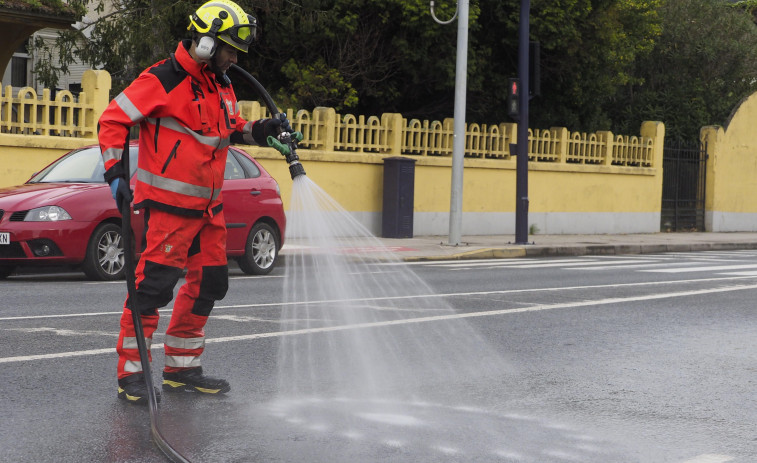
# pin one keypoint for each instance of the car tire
(6, 270)
(260, 251)
(105, 254)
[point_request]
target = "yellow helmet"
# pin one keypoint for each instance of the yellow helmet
(225, 20)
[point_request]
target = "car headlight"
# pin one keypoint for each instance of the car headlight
(47, 214)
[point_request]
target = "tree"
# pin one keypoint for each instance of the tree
(588, 49)
(375, 56)
(702, 65)
(380, 55)
(125, 38)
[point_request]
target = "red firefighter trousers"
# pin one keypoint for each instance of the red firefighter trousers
(173, 243)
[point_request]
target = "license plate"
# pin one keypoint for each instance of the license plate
(5, 238)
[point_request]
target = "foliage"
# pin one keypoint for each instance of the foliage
(605, 64)
(589, 49)
(702, 65)
(45, 68)
(128, 36)
(387, 51)
(317, 85)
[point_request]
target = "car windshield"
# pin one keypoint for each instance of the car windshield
(81, 166)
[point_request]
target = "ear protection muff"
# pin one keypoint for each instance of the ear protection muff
(207, 44)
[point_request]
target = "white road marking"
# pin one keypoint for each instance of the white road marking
(583, 264)
(452, 261)
(452, 316)
(416, 296)
(62, 332)
(742, 274)
(244, 319)
(711, 268)
(244, 277)
(709, 458)
(624, 266)
(502, 262)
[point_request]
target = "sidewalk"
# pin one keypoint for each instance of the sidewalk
(502, 246)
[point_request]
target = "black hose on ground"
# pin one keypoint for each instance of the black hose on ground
(295, 169)
(129, 268)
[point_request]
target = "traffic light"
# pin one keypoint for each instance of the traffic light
(513, 98)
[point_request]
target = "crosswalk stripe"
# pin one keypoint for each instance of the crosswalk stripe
(709, 458)
(711, 268)
(704, 261)
(582, 264)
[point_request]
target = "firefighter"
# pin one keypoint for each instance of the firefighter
(187, 114)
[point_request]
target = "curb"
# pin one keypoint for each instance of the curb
(486, 253)
(581, 250)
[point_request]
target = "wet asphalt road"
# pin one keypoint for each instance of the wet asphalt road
(647, 358)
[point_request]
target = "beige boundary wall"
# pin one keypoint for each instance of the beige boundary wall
(578, 183)
(731, 187)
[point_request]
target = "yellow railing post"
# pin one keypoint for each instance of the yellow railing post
(96, 92)
(392, 124)
(560, 134)
(512, 137)
(448, 126)
(656, 131)
(607, 140)
(325, 118)
(250, 110)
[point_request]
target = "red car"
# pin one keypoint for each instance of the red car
(65, 215)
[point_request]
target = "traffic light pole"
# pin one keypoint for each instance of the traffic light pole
(521, 172)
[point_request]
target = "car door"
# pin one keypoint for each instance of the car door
(241, 196)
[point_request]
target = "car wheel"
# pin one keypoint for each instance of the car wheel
(261, 250)
(105, 254)
(6, 270)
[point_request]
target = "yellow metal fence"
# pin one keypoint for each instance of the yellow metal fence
(67, 115)
(30, 114)
(392, 134)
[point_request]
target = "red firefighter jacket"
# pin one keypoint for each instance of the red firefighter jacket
(186, 119)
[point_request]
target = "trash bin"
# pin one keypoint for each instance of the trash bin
(399, 188)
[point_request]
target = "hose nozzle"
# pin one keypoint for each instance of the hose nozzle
(296, 169)
(286, 145)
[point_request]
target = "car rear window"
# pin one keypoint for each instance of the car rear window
(250, 167)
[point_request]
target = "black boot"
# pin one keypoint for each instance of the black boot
(192, 379)
(133, 389)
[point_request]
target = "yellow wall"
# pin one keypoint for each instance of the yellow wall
(731, 191)
(578, 183)
(580, 193)
(19, 162)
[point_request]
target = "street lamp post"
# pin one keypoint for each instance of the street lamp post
(458, 147)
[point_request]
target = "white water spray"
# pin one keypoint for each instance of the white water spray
(332, 257)
(376, 368)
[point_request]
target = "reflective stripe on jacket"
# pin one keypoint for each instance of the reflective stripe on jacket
(186, 120)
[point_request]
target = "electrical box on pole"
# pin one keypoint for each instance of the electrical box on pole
(513, 98)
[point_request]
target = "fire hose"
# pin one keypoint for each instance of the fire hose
(286, 143)
(144, 356)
